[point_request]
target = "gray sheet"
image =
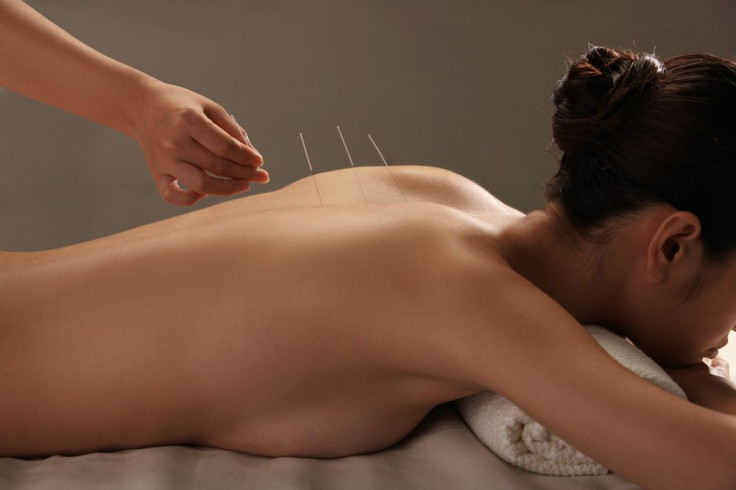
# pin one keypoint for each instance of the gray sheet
(441, 453)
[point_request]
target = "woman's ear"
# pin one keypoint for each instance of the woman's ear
(676, 241)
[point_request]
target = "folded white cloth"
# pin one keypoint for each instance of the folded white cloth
(516, 438)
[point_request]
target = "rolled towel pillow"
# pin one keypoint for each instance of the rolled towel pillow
(516, 438)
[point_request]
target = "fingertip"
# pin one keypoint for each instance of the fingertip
(262, 174)
(256, 158)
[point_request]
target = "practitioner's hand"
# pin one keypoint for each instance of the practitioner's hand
(186, 137)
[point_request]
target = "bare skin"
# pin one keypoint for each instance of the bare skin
(268, 324)
(184, 136)
(275, 326)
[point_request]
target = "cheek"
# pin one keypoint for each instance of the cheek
(654, 342)
(670, 341)
(675, 335)
(689, 340)
(670, 353)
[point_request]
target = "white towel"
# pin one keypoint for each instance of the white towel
(516, 438)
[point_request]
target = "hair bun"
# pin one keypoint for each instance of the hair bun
(599, 94)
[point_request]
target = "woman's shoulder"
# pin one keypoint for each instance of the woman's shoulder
(448, 187)
(416, 183)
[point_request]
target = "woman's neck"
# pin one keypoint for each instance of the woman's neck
(572, 272)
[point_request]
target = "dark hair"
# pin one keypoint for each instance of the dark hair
(636, 131)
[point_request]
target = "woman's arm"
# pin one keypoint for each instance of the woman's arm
(517, 341)
(708, 385)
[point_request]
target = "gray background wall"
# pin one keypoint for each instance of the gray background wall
(460, 84)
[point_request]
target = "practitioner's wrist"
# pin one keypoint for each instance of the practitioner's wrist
(139, 89)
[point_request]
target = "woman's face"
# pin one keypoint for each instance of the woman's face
(683, 333)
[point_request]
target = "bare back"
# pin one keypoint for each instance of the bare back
(285, 323)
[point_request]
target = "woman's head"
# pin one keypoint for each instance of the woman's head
(636, 131)
(653, 143)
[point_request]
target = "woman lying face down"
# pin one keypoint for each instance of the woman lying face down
(294, 323)
(645, 189)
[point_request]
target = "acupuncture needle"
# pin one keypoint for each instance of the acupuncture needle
(387, 167)
(304, 145)
(351, 164)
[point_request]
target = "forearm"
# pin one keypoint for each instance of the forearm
(540, 358)
(42, 61)
(712, 390)
(652, 437)
(721, 397)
